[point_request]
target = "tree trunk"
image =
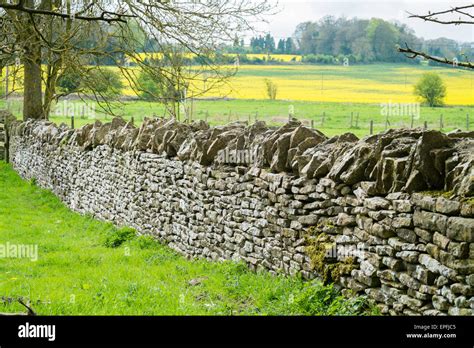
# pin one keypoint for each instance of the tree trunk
(50, 86)
(32, 97)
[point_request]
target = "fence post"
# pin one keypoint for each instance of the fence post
(371, 127)
(425, 125)
(72, 121)
(132, 120)
(256, 116)
(412, 120)
(312, 124)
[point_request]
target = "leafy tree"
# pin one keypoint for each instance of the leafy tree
(383, 37)
(327, 35)
(290, 46)
(166, 83)
(362, 49)
(257, 44)
(271, 89)
(149, 88)
(281, 47)
(99, 81)
(431, 89)
(368, 40)
(262, 44)
(70, 81)
(154, 87)
(269, 44)
(104, 82)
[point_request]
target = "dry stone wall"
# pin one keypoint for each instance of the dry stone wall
(284, 199)
(3, 136)
(5, 119)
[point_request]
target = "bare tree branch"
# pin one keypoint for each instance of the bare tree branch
(432, 17)
(410, 53)
(435, 18)
(106, 16)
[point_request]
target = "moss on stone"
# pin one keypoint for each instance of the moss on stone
(468, 200)
(440, 193)
(317, 245)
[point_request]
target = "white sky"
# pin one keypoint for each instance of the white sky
(293, 12)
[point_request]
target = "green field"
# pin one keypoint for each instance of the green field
(324, 96)
(336, 119)
(87, 267)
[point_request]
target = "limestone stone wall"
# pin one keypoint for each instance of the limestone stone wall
(6, 118)
(3, 136)
(341, 209)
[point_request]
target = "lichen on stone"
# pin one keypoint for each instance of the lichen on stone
(318, 248)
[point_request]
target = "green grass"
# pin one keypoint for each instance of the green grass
(337, 116)
(88, 267)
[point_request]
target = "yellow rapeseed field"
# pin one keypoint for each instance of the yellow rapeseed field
(361, 84)
(377, 83)
(284, 58)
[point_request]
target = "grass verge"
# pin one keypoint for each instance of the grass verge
(88, 267)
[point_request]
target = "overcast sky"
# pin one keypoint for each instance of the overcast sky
(293, 12)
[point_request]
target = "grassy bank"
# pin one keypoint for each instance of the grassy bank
(87, 267)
